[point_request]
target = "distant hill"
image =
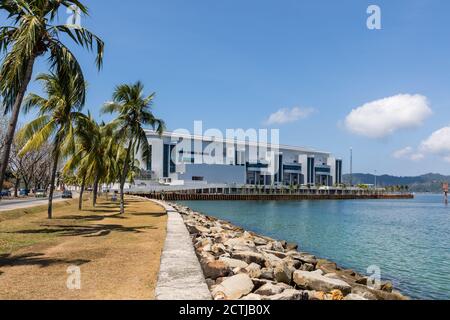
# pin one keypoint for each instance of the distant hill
(426, 183)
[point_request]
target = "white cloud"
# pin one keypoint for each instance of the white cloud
(408, 153)
(417, 156)
(438, 143)
(399, 154)
(381, 118)
(286, 115)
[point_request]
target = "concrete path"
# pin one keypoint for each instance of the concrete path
(180, 275)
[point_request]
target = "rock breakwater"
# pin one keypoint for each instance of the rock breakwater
(239, 264)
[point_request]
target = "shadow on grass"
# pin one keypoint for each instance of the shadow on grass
(98, 230)
(149, 214)
(36, 259)
(93, 217)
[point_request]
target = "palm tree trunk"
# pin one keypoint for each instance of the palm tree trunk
(124, 178)
(13, 121)
(80, 200)
(95, 192)
(53, 178)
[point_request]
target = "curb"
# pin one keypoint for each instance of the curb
(180, 275)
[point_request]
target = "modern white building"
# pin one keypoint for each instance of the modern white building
(181, 159)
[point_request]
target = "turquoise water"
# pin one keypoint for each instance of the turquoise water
(408, 239)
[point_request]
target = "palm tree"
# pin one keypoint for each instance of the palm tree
(135, 112)
(79, 162)
(30, 37)
(59, 120)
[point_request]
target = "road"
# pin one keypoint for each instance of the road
(6, 205)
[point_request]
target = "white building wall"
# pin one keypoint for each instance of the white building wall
(332, 164)
(216, 174)
(226, 171)
(157, 156)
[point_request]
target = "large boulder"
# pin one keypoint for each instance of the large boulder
(234, 263)
(218, 249)
(259, 241)
(267, 273)
(277, 246)
(282, 272)
(270, 289)
(252, 297)
(288, 294)
(326, 266)
(215, 269)
(353, 296)
(373, 294)
(249, 257)
(278, 254)
(304, 257)
(254, 270)
(196, 229)
(271, 260)
(233, 288)
(316, 281)
(231, 243)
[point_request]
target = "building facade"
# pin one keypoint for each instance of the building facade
(187, 159)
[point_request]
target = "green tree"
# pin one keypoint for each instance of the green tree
(134, 114)
(30, 36)
(79, 162)
(59, 120)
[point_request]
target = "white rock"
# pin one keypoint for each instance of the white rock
(234, 287)
(353, 296)
(288, 294)
(249, 256)
(270, 289)
(315, 281)
(234, 263)
(254, 270)
(252, 297)
(271, 260)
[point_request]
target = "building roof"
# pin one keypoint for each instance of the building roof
(169, 134)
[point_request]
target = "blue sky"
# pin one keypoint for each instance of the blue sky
(233, 63)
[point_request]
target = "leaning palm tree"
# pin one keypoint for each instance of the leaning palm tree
(30, 36)
(59, 120)
(135, 112)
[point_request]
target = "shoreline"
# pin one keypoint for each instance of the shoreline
(180, 196)
(240, 264)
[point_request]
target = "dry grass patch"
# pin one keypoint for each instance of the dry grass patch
(118, 256)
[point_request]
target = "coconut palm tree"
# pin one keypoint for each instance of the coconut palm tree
(79, 162)
(59, 120)
(30, 36)
(134, 113)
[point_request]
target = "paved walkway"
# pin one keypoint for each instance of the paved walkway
(180, 275)
(7, 205)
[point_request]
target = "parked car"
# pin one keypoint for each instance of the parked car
(67, 194)
(40, 193)
(24, 192)
(6, 193)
